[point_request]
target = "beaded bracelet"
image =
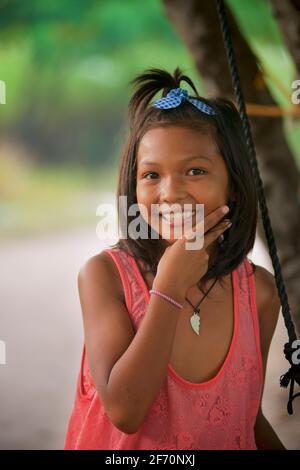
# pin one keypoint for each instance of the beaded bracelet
(164, 296)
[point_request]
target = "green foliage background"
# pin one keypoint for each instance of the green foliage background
(67, 66)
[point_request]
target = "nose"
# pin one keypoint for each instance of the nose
(172, 190)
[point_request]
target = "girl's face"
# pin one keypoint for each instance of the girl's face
(177, 165)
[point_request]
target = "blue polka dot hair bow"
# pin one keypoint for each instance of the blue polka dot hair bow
(176, 96)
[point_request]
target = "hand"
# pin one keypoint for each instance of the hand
(180, 268)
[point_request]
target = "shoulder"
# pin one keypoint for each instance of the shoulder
(268, 306)
(266, 289)
(101, 270)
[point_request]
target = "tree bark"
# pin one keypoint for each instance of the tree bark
(197, 24)
(287, 13)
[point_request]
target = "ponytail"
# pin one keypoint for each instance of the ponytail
(148, 84)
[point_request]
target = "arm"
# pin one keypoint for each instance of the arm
(128, 369)
(268, 307)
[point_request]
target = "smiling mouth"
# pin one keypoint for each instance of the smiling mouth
(178, 218)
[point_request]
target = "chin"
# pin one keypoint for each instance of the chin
(170, 240)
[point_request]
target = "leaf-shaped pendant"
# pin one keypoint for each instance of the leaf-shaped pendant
(195, 322)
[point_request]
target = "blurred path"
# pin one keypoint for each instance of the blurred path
(41, 324)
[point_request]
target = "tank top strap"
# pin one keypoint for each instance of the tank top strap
(249, 281)
(122, 262)
(135, 289)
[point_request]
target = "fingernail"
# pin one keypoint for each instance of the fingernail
(225, 209)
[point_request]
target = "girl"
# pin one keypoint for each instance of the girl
(157, 371)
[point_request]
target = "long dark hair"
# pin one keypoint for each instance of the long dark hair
(226, 130)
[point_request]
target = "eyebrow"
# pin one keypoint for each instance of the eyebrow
(183, 160)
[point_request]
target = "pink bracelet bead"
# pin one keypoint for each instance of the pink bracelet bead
(166, 297)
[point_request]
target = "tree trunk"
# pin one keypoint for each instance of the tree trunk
(287, 14)
(197, 24)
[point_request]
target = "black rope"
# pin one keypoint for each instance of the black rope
(293, 373)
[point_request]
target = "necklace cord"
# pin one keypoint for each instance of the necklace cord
(196, 307)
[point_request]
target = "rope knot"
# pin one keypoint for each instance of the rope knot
(291, 376)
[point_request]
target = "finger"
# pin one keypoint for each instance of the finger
(215, 217)
(214, 233)
(209, 221)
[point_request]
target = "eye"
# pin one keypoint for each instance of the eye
(198, 169)
(150, 173)
(154, 173)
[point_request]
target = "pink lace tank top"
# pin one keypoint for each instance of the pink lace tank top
(217, 414)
